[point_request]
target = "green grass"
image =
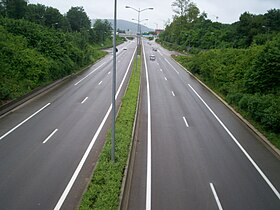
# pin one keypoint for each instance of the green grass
(109, 43)
(105, 187)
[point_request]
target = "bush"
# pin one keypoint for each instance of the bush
(264, 109)
(32, 55)
(264, 74)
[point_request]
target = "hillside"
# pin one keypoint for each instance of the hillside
(127, 26)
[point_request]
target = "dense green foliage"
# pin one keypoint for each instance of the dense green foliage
(249, 79)
(78, 19)
(101, 31)
(32, 56)
(191, 29)
(105, 187)
(38, 45)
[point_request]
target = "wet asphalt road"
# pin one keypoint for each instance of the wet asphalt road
(192, 151)
(43, 141)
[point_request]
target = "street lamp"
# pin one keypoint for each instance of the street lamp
(114, 83)
(140, 24)
(138, 28)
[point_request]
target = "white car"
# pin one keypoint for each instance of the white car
(152, 57)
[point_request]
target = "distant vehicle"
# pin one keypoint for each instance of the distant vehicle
(125, 48)
(152, 57)
(154, 49)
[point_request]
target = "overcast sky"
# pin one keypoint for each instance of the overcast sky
(227, 11)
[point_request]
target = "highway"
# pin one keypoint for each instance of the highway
(49, 145)
(192, 151)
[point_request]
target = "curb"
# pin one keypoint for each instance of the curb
(263, 139)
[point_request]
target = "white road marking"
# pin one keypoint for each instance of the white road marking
(158, 64)
(79, 167)
(160, 53)
(216, 196)
(100, 83)
(149, 139)
(239, 145)
(24, 121)
(173, 93)
(186, 122)
(165, 78)
(172, 66)
(161, 70)
(109, 72)
(50, 136)
(86, 98)
(89, 74)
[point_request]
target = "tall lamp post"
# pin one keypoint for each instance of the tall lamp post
(140, 24)
(114, 83)
(138, 28)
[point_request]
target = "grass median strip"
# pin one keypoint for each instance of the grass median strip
(105, 187)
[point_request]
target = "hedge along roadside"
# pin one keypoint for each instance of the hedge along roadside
(105, 187)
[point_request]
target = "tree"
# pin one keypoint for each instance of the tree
(186, 11)
(53, 18)
(36, 13)
(47, 16)
(273, 20)
(250, 25)
(264, 76)
(192, 12)
(78, 19)
(102, 30)
(181, 7)
(13, 8)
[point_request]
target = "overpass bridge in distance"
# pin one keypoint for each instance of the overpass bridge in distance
(127, 35)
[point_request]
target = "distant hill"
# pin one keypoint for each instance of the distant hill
(128, 26)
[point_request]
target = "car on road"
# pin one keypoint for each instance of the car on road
(154, 49)
(152, 57)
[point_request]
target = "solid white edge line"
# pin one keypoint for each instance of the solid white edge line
(172, 66)
(186, 122)
(89, 74)
(216, 196)
(24, 121)
(86, 98)
(149, 139)
(239, 145)
(50, 136)
(83, 160)
(173, 93)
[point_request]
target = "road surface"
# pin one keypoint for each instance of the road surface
(49, 145)
(192, 151)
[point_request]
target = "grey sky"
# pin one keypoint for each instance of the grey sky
(227, 11)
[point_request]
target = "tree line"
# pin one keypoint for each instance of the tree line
(75, 20)
(39, 45)
(190, 29)
(240, 61)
